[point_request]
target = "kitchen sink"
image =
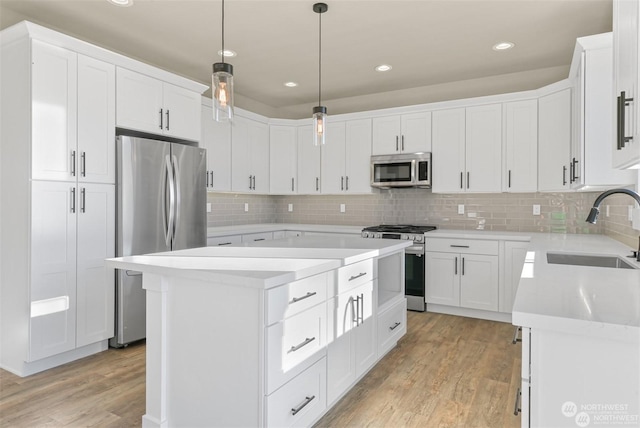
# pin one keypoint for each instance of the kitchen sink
(588, 260)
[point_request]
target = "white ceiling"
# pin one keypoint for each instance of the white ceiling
(439, 49)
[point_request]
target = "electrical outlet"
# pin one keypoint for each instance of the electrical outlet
(208, 207)
(536, 209)
(607, 210)
(290, 208)
(630, 213)
(460, 209)
(246, 207)
(343, 208)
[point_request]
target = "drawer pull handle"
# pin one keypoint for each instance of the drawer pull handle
(307, 400)
(459, 246)
(306, 296)
(515, 335)
(517, 408)
(394, 326)
(258, 239)
(225, 243)
(357, 276)
(306, 342)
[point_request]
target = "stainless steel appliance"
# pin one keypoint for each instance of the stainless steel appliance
(161, 206)
(404, 170)
(414, 273)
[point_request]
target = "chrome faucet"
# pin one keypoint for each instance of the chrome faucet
(595, 210)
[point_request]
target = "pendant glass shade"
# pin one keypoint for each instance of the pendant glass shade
(222, 83)
(319, 125)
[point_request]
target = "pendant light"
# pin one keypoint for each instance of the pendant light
(222, 85)
(320, 111)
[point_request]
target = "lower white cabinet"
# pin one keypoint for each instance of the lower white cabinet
(462, 273)
(71, 300)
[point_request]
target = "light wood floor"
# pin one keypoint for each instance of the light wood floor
(446, 372)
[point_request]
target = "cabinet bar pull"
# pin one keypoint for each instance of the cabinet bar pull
(73, 200)
(83, 164)
(211, 178)
(396, 143)
(341, 183)
(225, 243)
(623, 102)
(509, 179)
(347, 180)
(254, 182)
(468, 180)
(574, 164)
(207, 177)
(167, 119)
(306, 296)
(317, 184)
(403, 143)
(307, 400)
(258, 239)
(455, 266)
(564, 175)
(394, 326)
(515, 335)
(292, 184)
(461, 179)
(306, 342)
(619, 121)
(360, 312)
(517, 408)
(357, 276)
(73, 163)
(459, 246)
(82, 199)
(160, 118)
(463, 265)
(249, 182)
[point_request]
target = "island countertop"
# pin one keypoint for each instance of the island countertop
(578, 299)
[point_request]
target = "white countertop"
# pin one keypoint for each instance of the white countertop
(578, 299)
(479, 234)
(263, 264)
(272, 227)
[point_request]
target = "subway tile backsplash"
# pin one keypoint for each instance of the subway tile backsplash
(559, 212)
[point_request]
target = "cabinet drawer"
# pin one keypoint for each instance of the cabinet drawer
(355, 274)
(253, 237)
(463, 246)
(295, 297)
(392, 325)
(292, 344)
(224, 240)
(301, 401)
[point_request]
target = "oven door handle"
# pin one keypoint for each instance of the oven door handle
(417, 249)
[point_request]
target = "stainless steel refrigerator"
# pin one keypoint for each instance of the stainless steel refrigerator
(161, 206)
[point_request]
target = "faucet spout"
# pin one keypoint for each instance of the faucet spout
(595, 210)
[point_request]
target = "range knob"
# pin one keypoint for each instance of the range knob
(418, 238)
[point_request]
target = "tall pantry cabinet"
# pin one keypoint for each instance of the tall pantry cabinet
(57, 220)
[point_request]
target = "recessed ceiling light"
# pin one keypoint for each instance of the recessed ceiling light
(383, 67)
(125, 3)
(503, 46)
(290, 84)
(228, 53)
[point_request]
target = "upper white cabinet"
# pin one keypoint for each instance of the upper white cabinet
(520, 146)
(591, 162)
(308, 162)
(345, 158)
(73, 116)
(216, 138)
(249, 156)
(283, 159)
(626, 46)
(407, 133)
(554, 141)
(151, 105)
(467, 149)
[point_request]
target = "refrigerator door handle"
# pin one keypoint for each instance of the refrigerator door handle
(169, 186)
(176, 207)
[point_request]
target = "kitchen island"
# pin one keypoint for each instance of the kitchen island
(580, 335)
(266, 335)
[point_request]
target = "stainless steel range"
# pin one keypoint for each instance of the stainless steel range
(414, 258)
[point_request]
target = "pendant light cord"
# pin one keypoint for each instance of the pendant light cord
(319, 58)
(223, 31)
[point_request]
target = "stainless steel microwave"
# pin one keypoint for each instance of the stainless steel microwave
(403, 170)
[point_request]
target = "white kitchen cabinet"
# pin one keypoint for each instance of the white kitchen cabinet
(308, 162)
(626, 52)
(345, 159)
(407, 133)
(462, 273)
(147, 104)
(216, 139)
(73, 116)
(467, 143)
(520, 146)
(554, 141)
(283, 159)
(249, 156)
(515, 254)
(591, 162)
